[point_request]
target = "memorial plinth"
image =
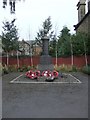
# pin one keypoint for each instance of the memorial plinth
(45, 59)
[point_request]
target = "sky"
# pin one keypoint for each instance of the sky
(30, 14)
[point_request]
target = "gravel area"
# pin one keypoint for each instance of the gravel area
(62, 78)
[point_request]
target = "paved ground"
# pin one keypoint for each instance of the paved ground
(44, 100)
(0, 97)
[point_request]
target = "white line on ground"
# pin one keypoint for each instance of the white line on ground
(16, 78)
(75, 78)
(42, 82)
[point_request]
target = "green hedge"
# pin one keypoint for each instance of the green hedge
(86, 69)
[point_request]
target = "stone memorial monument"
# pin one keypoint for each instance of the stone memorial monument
(45, 59)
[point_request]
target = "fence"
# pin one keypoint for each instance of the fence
(77, 61)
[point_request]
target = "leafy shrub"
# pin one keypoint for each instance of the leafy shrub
(25, 68)
(57, 68)
(5, 69)
(86, 70)
(29, 67)
(74, 69)
(22, 69)
(12, 68)
(1, 67)
(34, 67)
(63, 67)
(66, 68)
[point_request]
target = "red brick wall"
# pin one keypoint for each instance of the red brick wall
(78, 61)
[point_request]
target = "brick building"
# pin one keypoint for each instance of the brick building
(0, 47)
(29, 48)
(83, 17)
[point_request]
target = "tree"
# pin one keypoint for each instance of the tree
(9, 37)
(64, 47)
(81, 45)
(53, 46)
(46, 26)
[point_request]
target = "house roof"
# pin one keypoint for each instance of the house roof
(30, 41)
(86, 15)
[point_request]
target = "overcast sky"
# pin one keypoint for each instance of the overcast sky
(31, 14)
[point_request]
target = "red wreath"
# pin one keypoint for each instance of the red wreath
(47, 73)
(30, 74)
(55, 74)
(37, 73)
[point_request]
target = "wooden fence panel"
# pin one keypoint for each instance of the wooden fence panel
(78, 61)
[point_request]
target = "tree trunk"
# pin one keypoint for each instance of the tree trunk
(31, 58)
(71, 55)
(56, 55)
(7, 58)
(17, 60)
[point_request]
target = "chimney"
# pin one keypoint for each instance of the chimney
(81, 9)
(88, 5)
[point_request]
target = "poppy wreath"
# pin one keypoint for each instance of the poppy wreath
(37, 73)
(55, 74)
(47, 73)
(30, 74)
